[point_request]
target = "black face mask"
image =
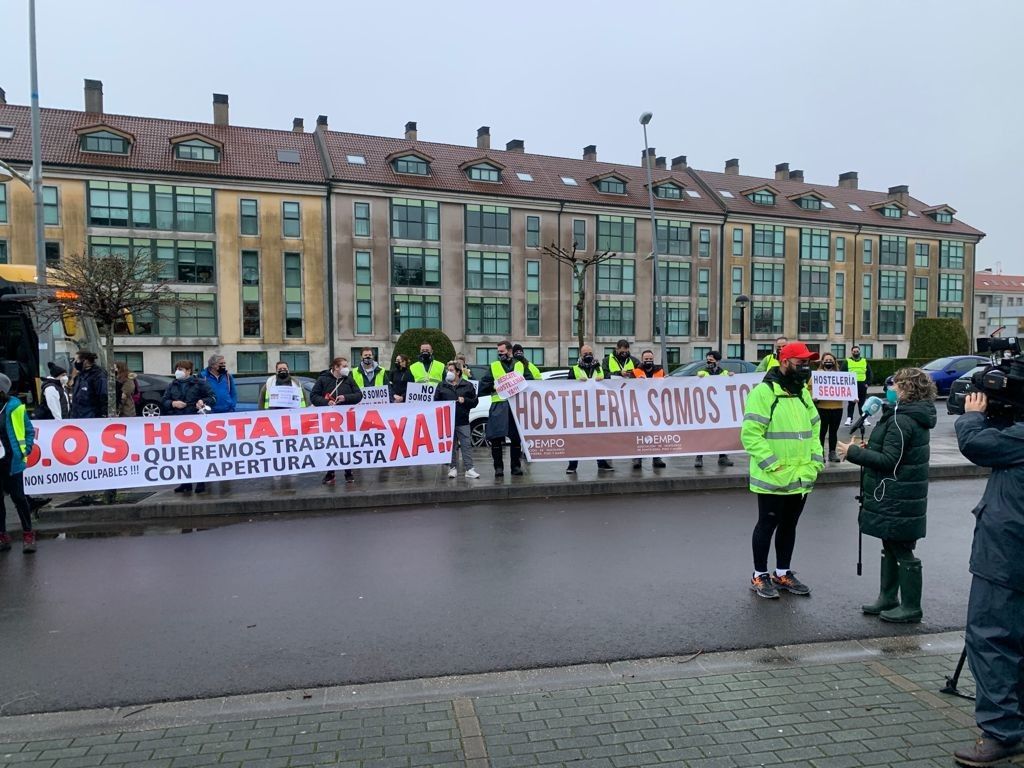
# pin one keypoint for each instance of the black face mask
(856, 355)
(829, 365)
(426, 358)
(588, 359)
(648, 365)
(712, 363)
(505, 358)
(78, 365)
(282, 375)
(623, 356)
(368, 362)
(801, 372)
(222, 368)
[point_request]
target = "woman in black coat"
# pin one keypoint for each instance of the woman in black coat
(187, 395)
(400, 377)
(455, 388)
(334, 387)
(894, 488)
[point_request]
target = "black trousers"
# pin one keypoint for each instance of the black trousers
(831, 418)
(515, 450)
(776, 515)
(13, 486)
(853, 410)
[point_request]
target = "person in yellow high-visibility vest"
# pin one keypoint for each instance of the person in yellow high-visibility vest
(588, 368)
(712, 367)
(427, 369)
(17, 436)
(501, 425)
(858, 366)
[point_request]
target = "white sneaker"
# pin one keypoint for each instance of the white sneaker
(453, 472)
(472, 474)
(849, 421)
(867, 422)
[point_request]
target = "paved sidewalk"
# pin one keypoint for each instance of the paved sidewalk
(838, 705)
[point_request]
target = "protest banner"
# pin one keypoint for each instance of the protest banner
(376, 396)
(285, 396)
(833, 385)
(103, 454)
(509, 385)
(421, 392)
(632, 418)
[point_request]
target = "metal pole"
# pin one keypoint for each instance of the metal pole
(743, 343)
(659, 308)
(37, 151)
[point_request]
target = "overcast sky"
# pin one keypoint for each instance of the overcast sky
(920, 92)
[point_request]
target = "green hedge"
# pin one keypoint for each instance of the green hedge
(884, 367)
(934, 337)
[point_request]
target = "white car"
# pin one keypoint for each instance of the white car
(478, 416)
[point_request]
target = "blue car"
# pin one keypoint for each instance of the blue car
(946, 370)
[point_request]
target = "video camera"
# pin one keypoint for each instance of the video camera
(1002, 382)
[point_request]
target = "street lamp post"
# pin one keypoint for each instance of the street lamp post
(741, 301)
(37, 151)
(659, 308)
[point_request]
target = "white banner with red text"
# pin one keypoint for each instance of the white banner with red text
(622, 418)
(103, 454)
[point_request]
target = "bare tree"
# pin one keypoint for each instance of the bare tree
(580, 265)
(109, 291)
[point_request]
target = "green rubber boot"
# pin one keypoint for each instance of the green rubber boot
(909, 610)
(889, 589)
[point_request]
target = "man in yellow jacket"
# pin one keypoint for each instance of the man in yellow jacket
(780, 432)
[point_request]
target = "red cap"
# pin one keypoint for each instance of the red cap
(798, 350)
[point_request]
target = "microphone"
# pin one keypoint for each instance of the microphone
(871, 406)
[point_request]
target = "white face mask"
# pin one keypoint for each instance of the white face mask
(450, 376)
(344, 371)
(64, 379)
(179, 374)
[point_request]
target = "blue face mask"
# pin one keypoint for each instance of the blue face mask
(892, 396)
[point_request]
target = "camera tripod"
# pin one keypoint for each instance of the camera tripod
(951, 682)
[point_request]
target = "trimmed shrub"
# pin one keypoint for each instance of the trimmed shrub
(885, 367)
(409, 344)
(934, 337)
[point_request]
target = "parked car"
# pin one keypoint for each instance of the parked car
(478, 416)
(151, 389)
(958, 391)
(249, 390)
(736, 366)
(946, 370)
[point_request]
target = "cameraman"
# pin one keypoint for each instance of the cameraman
(995, 611)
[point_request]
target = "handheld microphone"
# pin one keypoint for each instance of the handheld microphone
(871, 406)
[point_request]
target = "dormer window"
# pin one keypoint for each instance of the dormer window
(891, 212)
(412, 164)
(197, 150)
(668, 192)
(612, 186)
(762, 197)
(942, 214)
(105, 142)
(483, 172)
(809, 203)
(942, 217)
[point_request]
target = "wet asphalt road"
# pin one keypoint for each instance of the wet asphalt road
(410, 593)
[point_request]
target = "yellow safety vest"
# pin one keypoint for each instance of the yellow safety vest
(858, 367)
(497, 371)
(580, 375)
(360, 378)
(614, 367)
(420, 373)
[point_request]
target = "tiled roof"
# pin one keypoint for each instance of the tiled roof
(249, 153)
(547, 173)
(986, 282)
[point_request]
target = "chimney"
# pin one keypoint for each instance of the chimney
(659, 163)
(796, 175)
(483, 137)
(516, 145)
(94, 96)
(220, 109)
(848, 180)
(590, 152)
(3, 97)
(410, 131)
(782, 171)
(901, 193)
(733, 166)
(649, 152)
(679, 163)
(321, 123)
(297, 126)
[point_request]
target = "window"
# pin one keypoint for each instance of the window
(668, 192)
(252, 362)
(616, 276)
(291, 224)
(701, 353)
(614, 318)
(52, 253)
(488, 225)
(891, 320)
(839, 351)
(3, 203)
(533, 231)
(147, 206)
(488, 315)
(891, 212)
(415, 312)
(809, 203)
(361, 219)
(51, 207)
(131, 359)
(182, 261)
(296, 361)
(288, 156)
(364, 292)
(411, 164)
(769, 241)
(612, 186)
(768, 279)
(677, 318)
(867, 350)
(197, 150)
(867, 251)
(293, 296)
(766, 317)
(814, 244)
(840, 301)
(673, 278)
(488, 271)
(865, 327)
(524, 176)
(704, 243)
(483, 172)
(673, 237)
(920, 297)
(484, 356)
(616, 233)
(951, 288)
(532, 298)
(415, 219)
(355, 159)
(813, 318)
(251, 316)
(103, 141)
(196, 358)
(951, 255)
(737, 281)
(762, 198)
(888, 350)
(957, 312)
(249, 215)
(893, 251)
(196, 317)
(892, 285)
(4, 259)
(703, 293)
(419, 267)
(732, 351)
(814, 282)
(922, 254)
(737, 241)
(840, 249)
(6, 132)
(579, 233)
(943, 217)
(762, 350)
(534, 354)
(569, 181)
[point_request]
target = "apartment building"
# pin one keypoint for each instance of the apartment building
(998, 304)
